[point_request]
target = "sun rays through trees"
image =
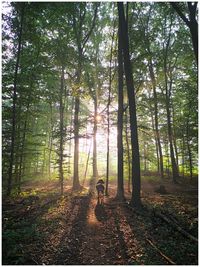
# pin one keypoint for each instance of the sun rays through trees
(99, 90)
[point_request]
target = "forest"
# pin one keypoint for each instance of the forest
(99, 133)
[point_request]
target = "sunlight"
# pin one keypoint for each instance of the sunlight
(98, 118)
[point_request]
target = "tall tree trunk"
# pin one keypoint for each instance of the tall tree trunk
(183, 155)
(153, 80)
(70, 135)
(22, 147)
(169, 128)
(13, 131)
(76, 184)
(95, 172)
(108, 115)
(156, 142)
(128, 152)
(50, 140)
(168, 89)
(135, 200)
(120, 152)
(87, 163)
(108, 146)
(189, 149)
(61, 132)
(145, 156)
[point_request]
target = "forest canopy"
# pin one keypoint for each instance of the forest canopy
(99, 133)
(60, 90)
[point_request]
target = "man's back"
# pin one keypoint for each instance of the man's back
(100, 188)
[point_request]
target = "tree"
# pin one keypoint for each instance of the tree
(120, 152)
(81, 40)
(10, 172)
(135, 200)
(191, 22)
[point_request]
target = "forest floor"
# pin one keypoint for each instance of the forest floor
(42, 228)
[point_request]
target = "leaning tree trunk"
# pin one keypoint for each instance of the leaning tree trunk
(120, 175)
(13, 131)
(135, 200)
(191, 23)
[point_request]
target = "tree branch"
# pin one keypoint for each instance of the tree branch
(85, 39)
(175, 6)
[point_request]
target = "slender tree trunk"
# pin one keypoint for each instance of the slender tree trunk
(169, 125)
(108, 117)
(76, 184)
(167, 156)
(108, 148)
(61, 176)
(95, 172)
(120, 152)
(183, 156)
(155, 137)
(189, 149)
(12, 148)
(50, 140)
(87, 163)
(128, 153)
(174, 140)
(70, 136)
(153, 80)
(22, 148)
(145, 157)
(135, 201)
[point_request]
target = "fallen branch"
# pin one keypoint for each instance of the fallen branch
(172, 223)
(176, 226)
(160, 252)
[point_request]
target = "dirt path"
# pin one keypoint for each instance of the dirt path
(94, 234)
(74, 230)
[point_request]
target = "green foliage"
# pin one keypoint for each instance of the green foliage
(14, 240)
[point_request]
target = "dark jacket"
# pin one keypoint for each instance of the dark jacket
(100, 188)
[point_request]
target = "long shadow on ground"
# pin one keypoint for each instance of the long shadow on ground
(69, 247)
(101, 213)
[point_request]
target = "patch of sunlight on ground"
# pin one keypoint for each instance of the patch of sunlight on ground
(91, 218)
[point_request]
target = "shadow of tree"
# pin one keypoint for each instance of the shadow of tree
(100, 213)
(70, 243)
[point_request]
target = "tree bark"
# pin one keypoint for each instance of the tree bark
(153, 80)
(108, 118)
(128, 153)
(95, 172)
(76, 183)
(189, 149)
(61, 177)
(135, 200)
(168, 89)
(13, 132)
(120, 152)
